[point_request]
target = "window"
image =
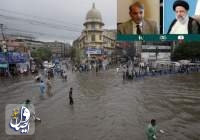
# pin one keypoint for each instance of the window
(93, 37)
(100, 37)
(93, 26)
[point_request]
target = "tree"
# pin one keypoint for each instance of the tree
(188, 50)
(74, 53)
(42, 53)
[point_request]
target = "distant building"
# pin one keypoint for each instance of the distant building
(26, 43)
(17, 56)
(139, 51)
(58, 49)
(152, 53)
(21, 48)
(15, 45)
(109, 37)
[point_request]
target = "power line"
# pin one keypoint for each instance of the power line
(39, 21)
(49, 19)
(36, 22)
(38, 33)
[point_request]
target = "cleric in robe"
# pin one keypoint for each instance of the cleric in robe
(183, 24)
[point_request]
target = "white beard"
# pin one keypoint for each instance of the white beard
(182, 20)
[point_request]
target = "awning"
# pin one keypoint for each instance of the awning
(3, 65)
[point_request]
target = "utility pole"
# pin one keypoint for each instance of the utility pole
(1, 25)
(5, 50)
(4, 40)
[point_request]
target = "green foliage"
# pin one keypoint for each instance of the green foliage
(189, 50)
(74, 53)
(42, 53)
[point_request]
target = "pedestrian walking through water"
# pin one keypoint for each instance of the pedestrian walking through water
(42, 88)
(49, 86)
(71, 101)
(151, 130)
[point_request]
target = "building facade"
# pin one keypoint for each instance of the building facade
(94, 42)
(153, 53)
(58, 49)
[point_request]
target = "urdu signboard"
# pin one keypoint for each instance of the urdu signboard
(93, 51)
(2, 58)
(12, 57)
(16, 57)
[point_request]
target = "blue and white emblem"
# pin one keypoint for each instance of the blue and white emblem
(20, 120)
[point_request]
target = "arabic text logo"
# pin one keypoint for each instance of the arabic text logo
(20, 120)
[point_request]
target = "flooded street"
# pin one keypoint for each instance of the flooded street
(108, 108)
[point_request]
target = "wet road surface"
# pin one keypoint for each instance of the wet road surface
(108, 108)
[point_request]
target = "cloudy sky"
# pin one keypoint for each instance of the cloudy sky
(51, 20)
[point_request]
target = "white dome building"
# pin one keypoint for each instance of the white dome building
(93, 42)
(93, 15)
(93, 32)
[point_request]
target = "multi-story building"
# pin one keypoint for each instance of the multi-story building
(58, 49)
(15, 45)
(152, 53)
(94, 42)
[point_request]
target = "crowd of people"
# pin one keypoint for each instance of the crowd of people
(131, 72)
(46, 86)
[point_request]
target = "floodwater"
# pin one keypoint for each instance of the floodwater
(108, 108)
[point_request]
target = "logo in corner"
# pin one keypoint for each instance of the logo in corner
(20, 120)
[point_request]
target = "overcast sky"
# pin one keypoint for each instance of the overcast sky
(53, 19)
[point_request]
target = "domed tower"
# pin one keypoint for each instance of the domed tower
(93, 32)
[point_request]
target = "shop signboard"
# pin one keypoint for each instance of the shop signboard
(93, 51)
(16, 57)
(3, 58)
(3, 65)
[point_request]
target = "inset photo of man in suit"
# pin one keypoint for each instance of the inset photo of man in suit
(137, 23)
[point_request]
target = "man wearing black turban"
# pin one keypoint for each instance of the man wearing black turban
(183, 24)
